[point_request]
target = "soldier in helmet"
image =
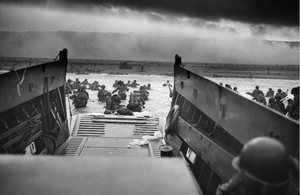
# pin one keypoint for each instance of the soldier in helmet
(167, 84)
(121, 88)
(235, 89)
(108, 101)
(294, 110)
(95, 86)
(136, 102)
(128, 84)
(272, 104)
(281, 93)
(144, 93)
(80, 98)
(270, 93)
(112, 103)
(85, 82)
(289, 105)
(101, 93)
(256, 92)
(69, 87)
(134, 84)
(263, 168)
(116, 100)
(178, 61)
(278, 101)
(148, 87)
(261, 99)
(77, 83)
(115, 83)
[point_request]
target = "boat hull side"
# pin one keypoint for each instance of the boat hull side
(213, 125)
(34, 112)
(25, 84)
(244, 119)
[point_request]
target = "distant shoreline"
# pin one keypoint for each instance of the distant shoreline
(117, 67)
(207, 70)
(281, 77)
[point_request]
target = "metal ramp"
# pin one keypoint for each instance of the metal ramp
(110, 135)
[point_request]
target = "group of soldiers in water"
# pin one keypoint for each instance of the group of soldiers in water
(228, 86)
(136, 102)
(81, 96)
(112, 99)
(276, 100)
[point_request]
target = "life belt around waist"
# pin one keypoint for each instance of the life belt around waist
(172, 119)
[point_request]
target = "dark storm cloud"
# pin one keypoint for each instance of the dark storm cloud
(272, 12)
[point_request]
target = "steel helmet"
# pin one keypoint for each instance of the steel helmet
(271, 100)
(108, 94)
(265, 161)
(295, 91)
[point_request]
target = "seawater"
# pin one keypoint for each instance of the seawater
(159, 102)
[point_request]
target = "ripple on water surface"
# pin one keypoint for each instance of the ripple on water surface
(159, 102)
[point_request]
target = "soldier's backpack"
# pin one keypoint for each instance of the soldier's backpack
(81, 96)
(124, 111)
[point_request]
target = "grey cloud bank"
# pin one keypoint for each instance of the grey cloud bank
(115, 46)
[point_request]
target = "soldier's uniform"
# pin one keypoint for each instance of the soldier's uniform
(80, 98)
(264, 168)
(101, 93)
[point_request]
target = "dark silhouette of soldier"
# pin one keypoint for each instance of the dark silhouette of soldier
(178, 61)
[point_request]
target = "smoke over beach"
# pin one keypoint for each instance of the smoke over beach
(243, 32)
(116, 46)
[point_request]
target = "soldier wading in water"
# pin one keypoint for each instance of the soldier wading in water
(121, 88)
(80, 98)
(102, 94)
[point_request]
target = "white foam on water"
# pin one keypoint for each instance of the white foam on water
(159, 102)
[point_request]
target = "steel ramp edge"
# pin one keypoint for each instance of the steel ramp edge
(74, 146)
(115, 126)
(95, 134)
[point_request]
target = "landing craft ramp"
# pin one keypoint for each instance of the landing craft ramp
(111, 135)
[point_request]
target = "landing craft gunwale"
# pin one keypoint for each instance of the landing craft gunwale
(215, 122)
(207, 155)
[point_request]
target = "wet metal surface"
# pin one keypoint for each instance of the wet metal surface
(110, 135)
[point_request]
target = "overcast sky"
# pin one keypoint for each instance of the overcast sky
(221, 31)
(261, 19)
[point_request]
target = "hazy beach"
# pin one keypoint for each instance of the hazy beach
(159, 102)
(84, 66)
